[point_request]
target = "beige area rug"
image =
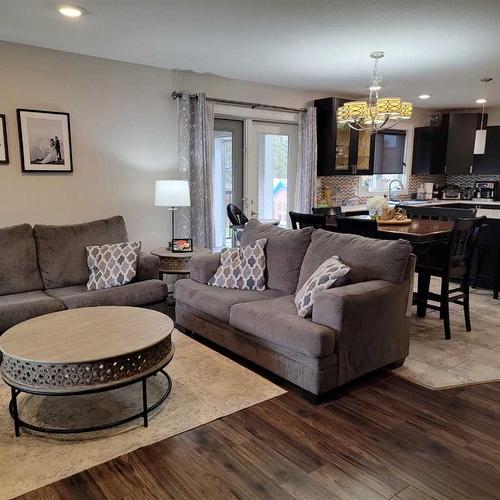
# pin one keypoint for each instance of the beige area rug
(467, 358)
(206, 386)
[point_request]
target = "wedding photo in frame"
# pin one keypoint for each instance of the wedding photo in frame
(45, 141)
(4, 148)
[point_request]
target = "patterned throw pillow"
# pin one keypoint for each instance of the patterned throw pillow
(112, 265)
(333, 272)
(242, 268)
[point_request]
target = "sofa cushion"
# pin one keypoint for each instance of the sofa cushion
(112, 265)
(18, 264)
(217, 302)
(285, 251)
(368, 258)
(22, 306)
(276, 322)
(242, 268)
(61, 249)
(134, 294)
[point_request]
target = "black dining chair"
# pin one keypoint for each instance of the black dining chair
(328, 211)
(236, 215)
(488, 257)
(362, 227)
(299, 221)
(452, 262)
(439, 213)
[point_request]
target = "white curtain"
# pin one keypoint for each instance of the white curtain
(305, 185)
(195, 122)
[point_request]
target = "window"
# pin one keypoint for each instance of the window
(388, 163)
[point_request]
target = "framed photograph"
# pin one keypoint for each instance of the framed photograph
(4, 149)
(45, 141)
(182, 245)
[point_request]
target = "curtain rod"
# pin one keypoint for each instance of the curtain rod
(243, 104)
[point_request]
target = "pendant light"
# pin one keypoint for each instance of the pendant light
(480, 140)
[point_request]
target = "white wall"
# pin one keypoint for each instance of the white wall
(124, 135)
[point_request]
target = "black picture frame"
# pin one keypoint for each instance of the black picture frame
(176, 248)
(3, 135)
(55, 166)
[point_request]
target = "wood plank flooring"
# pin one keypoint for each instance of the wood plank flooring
(382, 437)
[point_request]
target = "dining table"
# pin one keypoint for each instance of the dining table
(423, 234)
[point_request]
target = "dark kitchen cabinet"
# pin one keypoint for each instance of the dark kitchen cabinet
(460, 147)
(429, 148)
(341, 150)
(489, 162)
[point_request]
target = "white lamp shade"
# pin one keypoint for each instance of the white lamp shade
(480, 142)
(172, 194)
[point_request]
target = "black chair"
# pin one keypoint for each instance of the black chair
(236, 215)
(363, 227)
(299, 220)
(451, 261)
(486, 267)
(328, 211)
(439, 213)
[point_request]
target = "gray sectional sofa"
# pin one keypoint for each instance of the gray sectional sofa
(43, 269)
(354, 329)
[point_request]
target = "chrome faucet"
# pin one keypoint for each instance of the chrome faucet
(400, 188)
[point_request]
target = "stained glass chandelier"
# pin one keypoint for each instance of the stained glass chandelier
(376, 113)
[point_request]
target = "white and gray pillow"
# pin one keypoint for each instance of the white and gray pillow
(112, 265)
(333, 272)
(242, 268)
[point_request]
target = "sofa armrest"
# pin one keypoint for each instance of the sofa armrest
(147, 267)
(203, 267)
(371, 324)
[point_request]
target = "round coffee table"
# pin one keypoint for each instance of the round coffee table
(84, 351)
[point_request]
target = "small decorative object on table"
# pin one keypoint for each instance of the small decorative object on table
(393, 216)
(376, 206)
(182, 245)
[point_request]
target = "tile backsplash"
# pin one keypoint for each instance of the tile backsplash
(469, 180)
(344, 188)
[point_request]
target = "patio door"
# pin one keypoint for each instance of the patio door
(227, 176)
(271, 173)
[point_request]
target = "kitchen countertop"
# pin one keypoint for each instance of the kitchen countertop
(491, 209)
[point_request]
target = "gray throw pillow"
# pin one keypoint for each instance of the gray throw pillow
(112, 265)
(242, 268)
(333, 272)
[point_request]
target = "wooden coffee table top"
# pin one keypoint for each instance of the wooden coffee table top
(85, 335)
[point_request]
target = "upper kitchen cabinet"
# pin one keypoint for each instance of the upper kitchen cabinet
(429, 148)
(489, 162)
(341, 150)
(460, 148)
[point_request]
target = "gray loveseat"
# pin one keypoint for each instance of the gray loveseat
(354, 329)
(43, 269)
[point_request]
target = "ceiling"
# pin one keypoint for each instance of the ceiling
(441, 47)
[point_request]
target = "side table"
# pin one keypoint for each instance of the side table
(176, 263)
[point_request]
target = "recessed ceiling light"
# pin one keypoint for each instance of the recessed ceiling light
(71, 10)
(424, 96)
(482, 100)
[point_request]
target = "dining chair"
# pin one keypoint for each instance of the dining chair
(363, 227)
(439, 213)
(328, 211)
(318, 221)
(488, 252)
(236, 215)
(452, 262)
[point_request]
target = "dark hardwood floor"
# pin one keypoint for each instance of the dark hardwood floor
(382, 437)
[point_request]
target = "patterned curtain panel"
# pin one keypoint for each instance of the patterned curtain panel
(195, 121)
(305, 186)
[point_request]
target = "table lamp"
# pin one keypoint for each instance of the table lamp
(172, 194)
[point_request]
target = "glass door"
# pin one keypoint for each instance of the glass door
(272, 171)
(227, 176)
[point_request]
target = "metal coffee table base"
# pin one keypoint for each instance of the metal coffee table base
(146, 410)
